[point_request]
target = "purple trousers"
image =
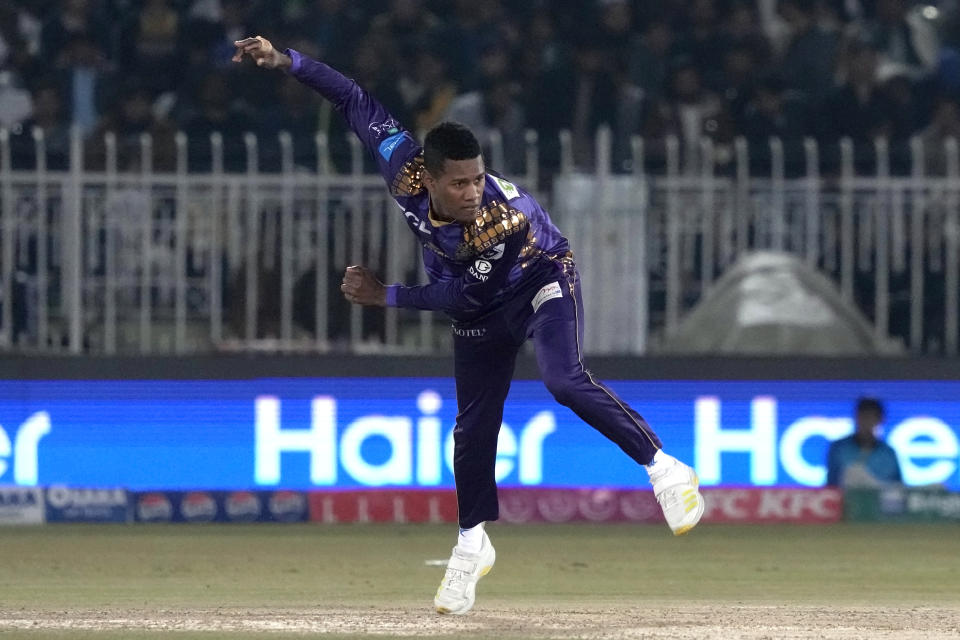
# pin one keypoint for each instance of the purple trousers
(485, 353)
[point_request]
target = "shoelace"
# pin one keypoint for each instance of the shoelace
(451, 578)
(669, 498)
(654, 479)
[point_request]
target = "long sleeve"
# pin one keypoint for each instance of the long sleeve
(387, 140)
(472, 290)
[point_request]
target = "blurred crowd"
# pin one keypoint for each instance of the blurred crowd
(703, 68)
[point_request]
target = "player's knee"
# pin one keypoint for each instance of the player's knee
(563, 388)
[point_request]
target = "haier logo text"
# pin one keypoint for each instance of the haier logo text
(18, 455)
(417, 452)
(926, 446)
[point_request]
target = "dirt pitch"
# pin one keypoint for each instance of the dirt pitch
(679, 622)
(557, 581)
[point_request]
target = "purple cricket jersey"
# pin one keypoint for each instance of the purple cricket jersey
(473, 269)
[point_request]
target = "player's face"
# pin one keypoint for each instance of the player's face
(867, 421)
(456, 193)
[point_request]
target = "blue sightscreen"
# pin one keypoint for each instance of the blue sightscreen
(312, 433)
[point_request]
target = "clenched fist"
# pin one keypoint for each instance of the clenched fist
(262, 52)
(360, 286)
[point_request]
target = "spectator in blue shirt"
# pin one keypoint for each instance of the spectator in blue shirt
(862, 459)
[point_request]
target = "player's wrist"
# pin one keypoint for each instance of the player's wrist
(390, 295)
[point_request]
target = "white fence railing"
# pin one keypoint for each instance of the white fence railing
(144, 261)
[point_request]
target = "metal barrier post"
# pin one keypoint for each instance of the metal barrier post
(322, 221)
(146, 247)
(531, 160)
(356, 254)
(812, 211)
(72, 262)
(918, 211)
(181, 222)
(952, 275)
(216, 240)
(600, 323)
(110, 246)
(286, 239)
(8, 208)
(742, 207)
(496, 151)
(846, 219)
(43, 238)
(778, 227)
(641, 275)
(673, 234)
(707, 222)
(882, 215)
(252, 253)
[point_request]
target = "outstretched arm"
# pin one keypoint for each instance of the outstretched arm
(381, 133)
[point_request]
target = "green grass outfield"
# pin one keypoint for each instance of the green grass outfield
(56, 572)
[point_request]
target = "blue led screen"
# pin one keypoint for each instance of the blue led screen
(302, 433)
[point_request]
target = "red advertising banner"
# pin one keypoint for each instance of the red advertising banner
(773, 505)
(518, 505)
(393, 505)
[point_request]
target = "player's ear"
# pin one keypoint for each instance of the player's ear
(428, 180)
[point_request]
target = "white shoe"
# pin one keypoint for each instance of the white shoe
(675, 486)
(458, 589)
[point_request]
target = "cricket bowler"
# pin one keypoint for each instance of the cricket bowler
(504, 274)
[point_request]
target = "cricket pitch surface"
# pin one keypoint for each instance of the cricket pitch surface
(550, 581)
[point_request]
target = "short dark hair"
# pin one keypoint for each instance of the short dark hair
(870, 404)
(448, 141)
